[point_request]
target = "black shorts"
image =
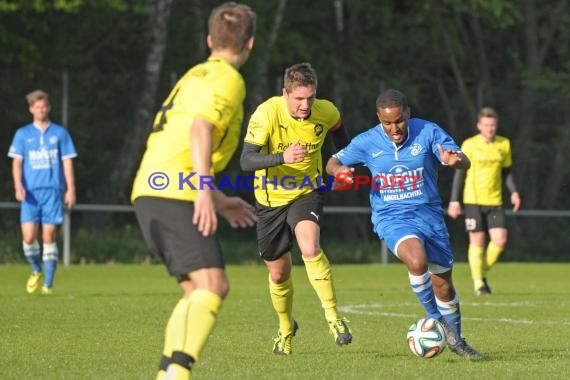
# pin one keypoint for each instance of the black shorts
(167, 228)
(276, 225)
(482, 218)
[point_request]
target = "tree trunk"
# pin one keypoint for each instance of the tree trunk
(129, 157)
(259, 94)
(484, 71)
(338, 64)
(199, 28)
(453, 63)
(536, 49)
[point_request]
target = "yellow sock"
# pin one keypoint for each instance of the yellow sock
(319, 273)
(475, 256)
(282, 299)
(172, 338)
(493, 253)
(200, 321)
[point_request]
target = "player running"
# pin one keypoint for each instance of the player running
(403, 156)
(283, 145)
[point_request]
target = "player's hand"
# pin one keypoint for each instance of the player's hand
(20, 193)
(454, 210)
(237, 212)
(449, 157)
(69, 198)
(516, 201)
(344, 177)
(204, 217)
(294, 153)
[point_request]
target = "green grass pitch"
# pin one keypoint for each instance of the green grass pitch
(107, 322)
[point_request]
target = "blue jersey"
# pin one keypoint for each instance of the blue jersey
(42, 153)
(404, 178)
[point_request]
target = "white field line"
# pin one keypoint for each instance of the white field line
(374, 309)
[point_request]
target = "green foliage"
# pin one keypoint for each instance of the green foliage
(102, 45)
(107, 322)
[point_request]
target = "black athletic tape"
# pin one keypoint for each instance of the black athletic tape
(182, 359)
(164, 362)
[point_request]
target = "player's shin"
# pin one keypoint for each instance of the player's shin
(282, 300)
(492, 255)
(423, 289)
(172, 336)
(200, 320)
(451, 312)
(476, 264)
(320, 277)
(50, 255)
(32, 253)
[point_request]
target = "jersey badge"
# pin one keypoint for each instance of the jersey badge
(416, 149)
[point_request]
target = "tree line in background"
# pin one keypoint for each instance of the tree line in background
(449, 56)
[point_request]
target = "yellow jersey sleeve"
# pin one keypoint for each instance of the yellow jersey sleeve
(214, 91)
(484, 180)
(273, 129)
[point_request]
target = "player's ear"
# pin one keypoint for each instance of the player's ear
(408, 113)
(250, 43)
(209, 41)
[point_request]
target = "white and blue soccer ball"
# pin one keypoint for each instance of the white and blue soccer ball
(426, 338)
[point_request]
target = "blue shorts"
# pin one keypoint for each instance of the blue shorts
(433, 234)
(42, 206)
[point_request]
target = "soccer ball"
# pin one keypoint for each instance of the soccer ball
(426, 338)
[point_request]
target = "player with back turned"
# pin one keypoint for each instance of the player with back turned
(196, 131)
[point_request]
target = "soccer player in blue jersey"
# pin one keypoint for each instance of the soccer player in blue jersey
(44, 179)
(403, 155)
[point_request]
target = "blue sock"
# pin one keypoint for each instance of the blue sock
(451, 312)
(32, 253)
(50, 263)
(421, 285)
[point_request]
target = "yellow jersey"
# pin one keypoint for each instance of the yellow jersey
(484, 180)
(273, 129)
(213, 90)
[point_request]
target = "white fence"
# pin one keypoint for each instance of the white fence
(66, 228)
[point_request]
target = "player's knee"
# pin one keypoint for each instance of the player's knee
(500, 242)
(416, 264)
(311, 252)
(279, 277)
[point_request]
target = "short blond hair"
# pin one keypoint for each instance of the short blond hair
(35, 96)
(231, 25)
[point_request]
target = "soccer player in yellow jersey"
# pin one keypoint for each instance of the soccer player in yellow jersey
(491, 160)
(195, 134)
(283, 145)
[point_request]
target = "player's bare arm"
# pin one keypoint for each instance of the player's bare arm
(336, 168)
(69, 174)
(201, 147)
(19, 190)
